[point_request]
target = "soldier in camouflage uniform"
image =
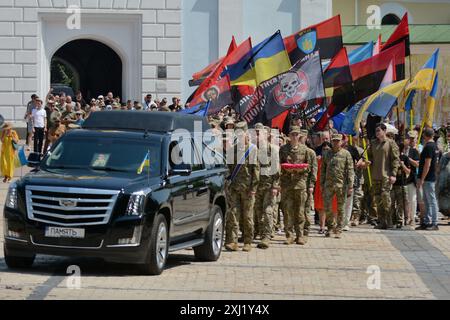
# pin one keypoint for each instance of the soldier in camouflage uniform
(268, 186)
(243, 183)
(294, 186)
(310, 183)
(336, 178)
(385, 163)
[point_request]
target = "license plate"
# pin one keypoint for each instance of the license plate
(56, 232)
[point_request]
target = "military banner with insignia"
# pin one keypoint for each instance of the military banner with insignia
(325, 37)
(301, 83)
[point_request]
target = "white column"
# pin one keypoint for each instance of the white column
(230, 23)
(312, 12)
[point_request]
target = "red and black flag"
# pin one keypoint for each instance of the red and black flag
(218, 93)
(368, 74)
(400, 34)
(342, 98)
(325, 37)
(200, 76)
(338, 72)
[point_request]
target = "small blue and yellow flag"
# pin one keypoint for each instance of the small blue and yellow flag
(431, 102)
(424, 79)
(145, 163)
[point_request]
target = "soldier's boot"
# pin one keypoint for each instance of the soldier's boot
(264, 244)
(300, 241)
(232, 246)
(338, 235)
(247, 247)
(289, 241)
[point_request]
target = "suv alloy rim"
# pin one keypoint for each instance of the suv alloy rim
(161, 245)
(217, 233)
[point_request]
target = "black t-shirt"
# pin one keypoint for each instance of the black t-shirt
(401, 176)
(429, 151)
(413, 154)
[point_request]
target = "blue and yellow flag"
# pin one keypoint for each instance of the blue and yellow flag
(270, 58)
(424, 79)
(431, 102)
(264, 61)
(20, 159)
(382, 100)
(145, 163)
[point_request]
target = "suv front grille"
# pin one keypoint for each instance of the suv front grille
(70, 206)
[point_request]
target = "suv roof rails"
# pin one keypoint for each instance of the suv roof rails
(154, 121)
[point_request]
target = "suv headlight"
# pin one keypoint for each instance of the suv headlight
(11, 197)
(136, 204)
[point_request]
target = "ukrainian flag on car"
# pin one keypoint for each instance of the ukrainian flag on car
(424, 79)
(145, 163)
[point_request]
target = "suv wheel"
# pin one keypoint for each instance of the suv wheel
(17, 262)
(159, 247)
(212, 247)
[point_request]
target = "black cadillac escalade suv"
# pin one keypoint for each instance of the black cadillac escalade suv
(113, 190)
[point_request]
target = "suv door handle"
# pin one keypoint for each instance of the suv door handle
(190, 186)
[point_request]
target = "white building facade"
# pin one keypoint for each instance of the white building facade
(160, 43)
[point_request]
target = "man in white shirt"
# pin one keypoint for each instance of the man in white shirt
(39, 122)
(149, 104)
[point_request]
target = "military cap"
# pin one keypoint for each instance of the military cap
(336, 136)
(259, 126)
(241, 126)
(295, 129)
(304, 132)
(412, 134)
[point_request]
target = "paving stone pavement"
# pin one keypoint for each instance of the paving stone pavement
(412, 264)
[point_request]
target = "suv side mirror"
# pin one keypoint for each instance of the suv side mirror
(181, 169)
(34, 159)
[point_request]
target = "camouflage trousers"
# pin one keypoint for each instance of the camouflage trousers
(328, 194)
(382, 198)
(293, 201)
(265, 204)
(399, 204)
(368, 206)
(358, 196)
(308, 203)
(241, 205)
(276, 213)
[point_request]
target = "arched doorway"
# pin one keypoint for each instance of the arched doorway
(89, 66)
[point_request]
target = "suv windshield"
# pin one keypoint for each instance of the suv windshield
(100, 154)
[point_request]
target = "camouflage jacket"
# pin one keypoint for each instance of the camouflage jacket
(269, 162)
(296, 180)
(337, 169)
(247, 178)
(385, 158)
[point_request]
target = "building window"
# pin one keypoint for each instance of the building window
(390, 19)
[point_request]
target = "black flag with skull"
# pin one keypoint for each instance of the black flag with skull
(303, 82)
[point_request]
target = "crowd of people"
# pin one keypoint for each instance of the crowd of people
(48, 119)
(389, 182)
